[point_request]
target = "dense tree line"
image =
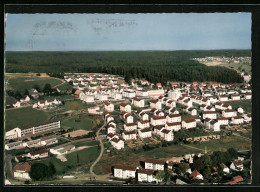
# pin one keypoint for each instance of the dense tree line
(155, 66)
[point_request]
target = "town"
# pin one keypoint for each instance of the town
(135, 116)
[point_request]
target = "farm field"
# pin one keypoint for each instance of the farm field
(20, 83)
(24, 116)
(245, 104)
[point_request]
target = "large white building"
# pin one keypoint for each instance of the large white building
(31, 130)
(124, 171)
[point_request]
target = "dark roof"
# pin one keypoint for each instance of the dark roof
(166, 131)
(172, 124)
(123, 104)
(230, 110)
(125, 167)
(130, 124)
(174, 115)
(39, 152)
(129, 132)
(155, 161)
(189, 120)
(146, 130)
(159, 117)
(146, 171)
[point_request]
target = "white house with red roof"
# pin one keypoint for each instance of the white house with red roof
(129, 135)
(22, 171)
(124, 171)
(167, 135)
(109, 106)
(223, 121)
(237, 120)
(173, 118)
(189, 123)
(138, 102)
(229, 113)
(223, 98)
(209, 114)
(25, 99)
(155, 104)
(171, 103)
(130, 126)
(143, 124)
(154, 164)
(247, 117)
(158, 120)
(38, 154)
(146, 175)
(111, 136)
(125, 107)
(187, 102)
(176, 126)
(145, 133)
(235, 97)
(248, 96)
(214, 125)
(117, 143)
(16, 104)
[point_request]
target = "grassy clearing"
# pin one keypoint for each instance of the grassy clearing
(24, 116)
(245, 104)
(86, 156)
(20, 83)
(65, 87)
(85, 123)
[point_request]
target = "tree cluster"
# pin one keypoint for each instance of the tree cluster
(41, 171)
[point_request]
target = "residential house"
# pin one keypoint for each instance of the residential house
(146, 175)
(130, 126)
(109, 106)
(228, 113)
(176, 126)
(195, 175)
(158, 120)
(209, 114)
(16, 104)
(224, 168)
(154, 164)
(189, 123)
(237, 120)
(129, 135)
(237, 165)
(172, 118)
(117, 143)
(167, 135)
(155, 104)
(143, 124)
(138, 102)
(125, 107)
(124, 171)
(223, 121)
(145, 133)
(22, 171)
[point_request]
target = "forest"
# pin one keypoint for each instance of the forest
(155, 66)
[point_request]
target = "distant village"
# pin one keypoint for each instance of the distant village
(146, 111)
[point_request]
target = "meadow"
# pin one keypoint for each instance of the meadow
(245, 104)
(75, 123)
(24, 116)
(20, 83)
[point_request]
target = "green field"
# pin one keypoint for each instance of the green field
(9, 100)
(86, 156)
(108, 160)
(20, 83)
(85, 123)
(240, 67)
(245, 104)
(64, 87)
(24, 116)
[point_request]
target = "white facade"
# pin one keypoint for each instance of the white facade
(159, 120)
(188, 124)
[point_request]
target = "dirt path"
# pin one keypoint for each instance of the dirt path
(101, 152)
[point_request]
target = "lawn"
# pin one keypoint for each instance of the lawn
(245, 104)
(85, 123)
(24, 116)
(9, 100)
(86, 156)
(65, 87)
(75, 105)
(20, 83)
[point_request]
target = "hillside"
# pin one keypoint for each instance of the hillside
(155, 66)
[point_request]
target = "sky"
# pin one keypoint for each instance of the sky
(94, 32)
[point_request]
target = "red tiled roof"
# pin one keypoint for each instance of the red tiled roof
(23, 167)
(159, 117)
(238, 179)
(129, 132)
(153, 101)
(172, 124)
(174, 115)
(194, 174)
(116, 140)
(123, 104)
(166, 131)
(189, 120)
(130, 124)
(145, 130)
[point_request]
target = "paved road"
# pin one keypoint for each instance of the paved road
(101, 151)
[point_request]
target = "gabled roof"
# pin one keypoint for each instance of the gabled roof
(23, 167)
(194, 174)
(125, 167)
(189, 120)
(39, 152)
(155, 161)
(158, 117)
(123, 104)
(146, 171)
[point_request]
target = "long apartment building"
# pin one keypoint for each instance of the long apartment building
(32, 129)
